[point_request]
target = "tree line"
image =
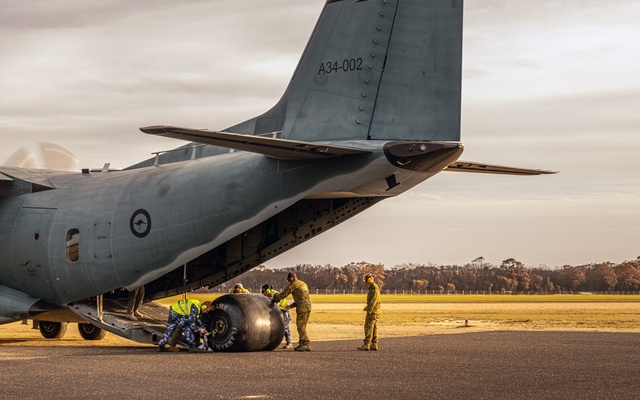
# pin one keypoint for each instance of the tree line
(511, 276)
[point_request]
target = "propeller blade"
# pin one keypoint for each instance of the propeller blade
(45, 155)
(22, 158)
(57, 158)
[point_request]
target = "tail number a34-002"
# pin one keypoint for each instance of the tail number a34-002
(346, 65)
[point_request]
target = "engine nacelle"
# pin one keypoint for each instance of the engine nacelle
(245, 322)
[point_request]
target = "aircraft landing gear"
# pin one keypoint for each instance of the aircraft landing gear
(56, 330)
(91, 332)
(52, 330)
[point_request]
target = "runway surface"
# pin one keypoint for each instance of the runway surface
(485, 365)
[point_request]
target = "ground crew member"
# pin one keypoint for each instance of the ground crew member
(205, 315)
(134, 300)
(373, 313)
(238, 289)
(184, 313)
(302, 304)
(205, 309)
(268, 291)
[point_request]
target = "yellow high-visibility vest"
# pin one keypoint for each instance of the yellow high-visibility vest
(183, 307)
(282, 303)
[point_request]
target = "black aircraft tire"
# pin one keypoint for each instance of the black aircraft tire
(52, 330)
(245, 322)
(91, 332)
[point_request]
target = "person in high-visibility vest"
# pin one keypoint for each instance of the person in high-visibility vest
(267, 290)
(186, 315)
(238, 288)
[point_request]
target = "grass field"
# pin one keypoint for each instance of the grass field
(340, 317)
(436, 313)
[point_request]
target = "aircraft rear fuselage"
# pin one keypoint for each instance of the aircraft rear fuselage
(131, 227)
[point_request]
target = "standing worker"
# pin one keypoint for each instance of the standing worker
(184, 313)
(302, 304)
(134, 300)
(268, 291)
(373, 313)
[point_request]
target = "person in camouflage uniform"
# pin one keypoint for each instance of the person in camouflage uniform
(373, 313)
(302, 304)
(186, 315)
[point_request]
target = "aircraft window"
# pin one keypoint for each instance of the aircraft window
(73, 243)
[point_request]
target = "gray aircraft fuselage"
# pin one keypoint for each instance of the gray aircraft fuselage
(135, 226)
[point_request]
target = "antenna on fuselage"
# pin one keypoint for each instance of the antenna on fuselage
(184, 282)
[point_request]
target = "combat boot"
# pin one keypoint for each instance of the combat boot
(161, 349)
(173, 348)
(303, 347)
(364, 347)
(373, 347)
(288, 346)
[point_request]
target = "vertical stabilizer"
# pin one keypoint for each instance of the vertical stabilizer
(375, 69)
(420, 93)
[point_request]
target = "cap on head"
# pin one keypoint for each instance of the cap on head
(238, 286)
(367, 276)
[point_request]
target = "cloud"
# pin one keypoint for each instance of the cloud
(548, 84)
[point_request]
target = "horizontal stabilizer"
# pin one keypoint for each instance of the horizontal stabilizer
(467, 166)
(272, 147)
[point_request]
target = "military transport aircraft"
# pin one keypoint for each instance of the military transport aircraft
(372, 109)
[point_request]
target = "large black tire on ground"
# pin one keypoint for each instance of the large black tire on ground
(245, 322)
(52, 330)
(91, 332)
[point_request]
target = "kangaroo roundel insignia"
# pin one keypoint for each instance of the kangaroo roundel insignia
(140, 223)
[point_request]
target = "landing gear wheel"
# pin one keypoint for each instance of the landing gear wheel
(91, 332)
(52, 330)
(245, 322)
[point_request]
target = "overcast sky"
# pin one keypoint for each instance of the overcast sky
(551, 84)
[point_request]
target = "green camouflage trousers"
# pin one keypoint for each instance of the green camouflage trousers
(371, 328)
(301, 324)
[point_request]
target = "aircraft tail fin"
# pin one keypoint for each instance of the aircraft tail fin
(374, 69)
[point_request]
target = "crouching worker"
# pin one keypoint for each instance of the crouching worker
(268, 291)
(205, 312)
(186, 315)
